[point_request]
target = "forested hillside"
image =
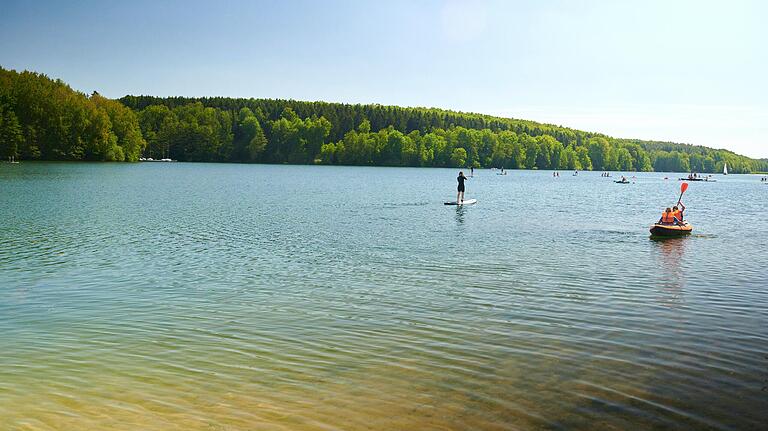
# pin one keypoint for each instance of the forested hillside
(45, 119)
(279, 131)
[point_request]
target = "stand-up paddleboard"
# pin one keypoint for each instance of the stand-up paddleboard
(465, 202)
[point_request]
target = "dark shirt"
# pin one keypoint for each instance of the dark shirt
(461, 179)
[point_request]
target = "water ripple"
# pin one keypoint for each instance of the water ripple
(224, 297)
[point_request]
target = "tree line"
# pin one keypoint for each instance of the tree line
(45, 119)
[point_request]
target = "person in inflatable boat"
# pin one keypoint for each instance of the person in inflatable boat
(672, 215)
(678, 212)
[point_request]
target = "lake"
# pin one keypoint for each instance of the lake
(174, 296)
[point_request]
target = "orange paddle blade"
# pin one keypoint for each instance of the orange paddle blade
(683, 187)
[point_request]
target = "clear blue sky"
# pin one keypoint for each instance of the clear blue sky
(687, 71)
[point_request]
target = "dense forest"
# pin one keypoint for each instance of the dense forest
(44, 119)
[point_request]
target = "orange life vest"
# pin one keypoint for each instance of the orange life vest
(678, 214)
(667, 217)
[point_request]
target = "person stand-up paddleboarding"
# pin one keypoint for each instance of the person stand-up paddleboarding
(460, 194)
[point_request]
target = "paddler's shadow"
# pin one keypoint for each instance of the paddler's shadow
(460, 214)
(670, 253)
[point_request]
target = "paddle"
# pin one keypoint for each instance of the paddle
(683, 188)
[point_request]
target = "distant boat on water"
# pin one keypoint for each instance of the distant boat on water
(164, 155)
(725, 168)
(696, 177)
(13, 160)
(150, 159)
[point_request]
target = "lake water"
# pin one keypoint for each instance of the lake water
(242, 297)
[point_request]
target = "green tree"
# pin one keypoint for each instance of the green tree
(11, 136)
(125, 127)
(154, 120)
(314, 131)
(256, 140)
(531, 148)
(569, 159)
(583, 159)
(623, 159)
(327, 154)
(599, 153)
(459, 157)
(434, 150)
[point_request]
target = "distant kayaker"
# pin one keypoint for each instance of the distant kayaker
(460, 195)
(471, 171)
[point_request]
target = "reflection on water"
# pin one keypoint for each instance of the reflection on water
(460, 214)
(236, 297)
(670, 253)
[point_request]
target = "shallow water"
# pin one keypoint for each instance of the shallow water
(239, 297)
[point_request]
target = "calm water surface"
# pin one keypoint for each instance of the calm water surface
(244, 297)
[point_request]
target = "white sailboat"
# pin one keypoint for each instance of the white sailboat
(725, 169)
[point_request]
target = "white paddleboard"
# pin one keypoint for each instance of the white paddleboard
(465, 202)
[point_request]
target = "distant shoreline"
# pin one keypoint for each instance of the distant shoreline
(70, 126)
(176, 162)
